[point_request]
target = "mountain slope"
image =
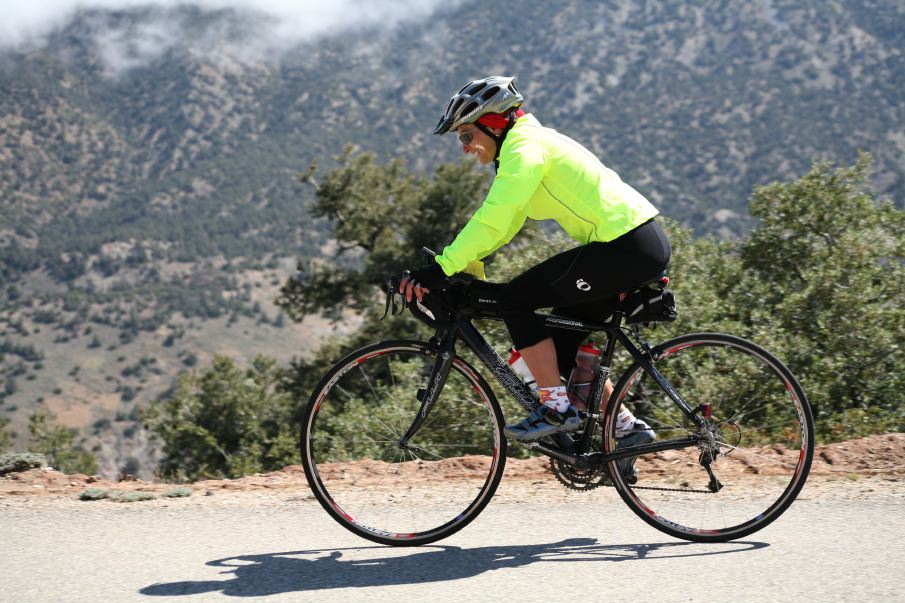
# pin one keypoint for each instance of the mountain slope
(148, 157)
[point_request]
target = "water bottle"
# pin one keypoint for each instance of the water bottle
(579, 387)
(520, 367)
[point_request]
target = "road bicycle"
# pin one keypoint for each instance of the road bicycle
(402, 440)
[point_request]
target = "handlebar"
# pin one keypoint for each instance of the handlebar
(435, 308)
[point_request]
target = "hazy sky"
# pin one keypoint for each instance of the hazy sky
(28, 20)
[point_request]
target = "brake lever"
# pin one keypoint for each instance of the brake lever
(390, 307)
(392, 292)
(389, 299)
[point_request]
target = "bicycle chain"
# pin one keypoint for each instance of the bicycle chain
(672, 489)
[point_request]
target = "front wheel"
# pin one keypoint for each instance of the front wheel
(401, 495)
(757, 438)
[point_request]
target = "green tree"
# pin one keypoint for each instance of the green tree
(56, 443)
(815, 283)
(824, 268)
(225, 422)
(382, 215)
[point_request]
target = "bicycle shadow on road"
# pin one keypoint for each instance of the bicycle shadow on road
(312, 570)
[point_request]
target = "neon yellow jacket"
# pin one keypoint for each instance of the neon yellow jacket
(544, 175)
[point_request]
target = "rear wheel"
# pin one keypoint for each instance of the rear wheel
(401, 496)
(757, 441)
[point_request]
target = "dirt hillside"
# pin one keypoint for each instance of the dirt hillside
(879, 456)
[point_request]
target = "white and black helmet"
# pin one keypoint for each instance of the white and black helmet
(494, 94)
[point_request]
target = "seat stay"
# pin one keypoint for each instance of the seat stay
(644, 360)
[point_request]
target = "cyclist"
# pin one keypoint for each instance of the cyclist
(542, 175)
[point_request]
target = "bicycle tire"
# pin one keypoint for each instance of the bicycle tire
(358, 410)
(762, 448)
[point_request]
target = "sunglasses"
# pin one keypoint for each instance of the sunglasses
(467, 136)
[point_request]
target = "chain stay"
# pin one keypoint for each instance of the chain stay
(584, 481)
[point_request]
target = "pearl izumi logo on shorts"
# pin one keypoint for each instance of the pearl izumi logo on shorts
(582, 285)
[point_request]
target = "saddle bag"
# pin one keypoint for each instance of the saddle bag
(649, 304)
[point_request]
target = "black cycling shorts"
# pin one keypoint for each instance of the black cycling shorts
(583, 283)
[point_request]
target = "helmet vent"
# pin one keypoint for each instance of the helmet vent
(490, 92)
(476, 88)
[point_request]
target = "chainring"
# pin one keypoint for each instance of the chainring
(580, 480)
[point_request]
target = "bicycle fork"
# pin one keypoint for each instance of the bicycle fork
(428, 395)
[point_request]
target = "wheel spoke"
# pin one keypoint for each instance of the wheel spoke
(377, 399)
(759, 416)
(391, 494)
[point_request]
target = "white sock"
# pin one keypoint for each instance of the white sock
(625, 419)
(555, 397)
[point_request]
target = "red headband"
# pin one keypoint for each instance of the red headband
(496, 120)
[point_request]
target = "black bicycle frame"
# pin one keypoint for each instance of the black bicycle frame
(462, 328)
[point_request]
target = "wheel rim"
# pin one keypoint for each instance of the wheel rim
(761, 449)
(385, 492)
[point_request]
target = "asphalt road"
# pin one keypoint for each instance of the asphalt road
(281, 546)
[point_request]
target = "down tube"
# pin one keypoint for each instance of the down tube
(496, 365)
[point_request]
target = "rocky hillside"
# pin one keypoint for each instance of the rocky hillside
(149, 205)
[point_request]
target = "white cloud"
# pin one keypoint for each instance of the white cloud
(28, 21)
(123, 49)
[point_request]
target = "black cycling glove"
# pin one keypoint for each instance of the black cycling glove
(430, 276)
